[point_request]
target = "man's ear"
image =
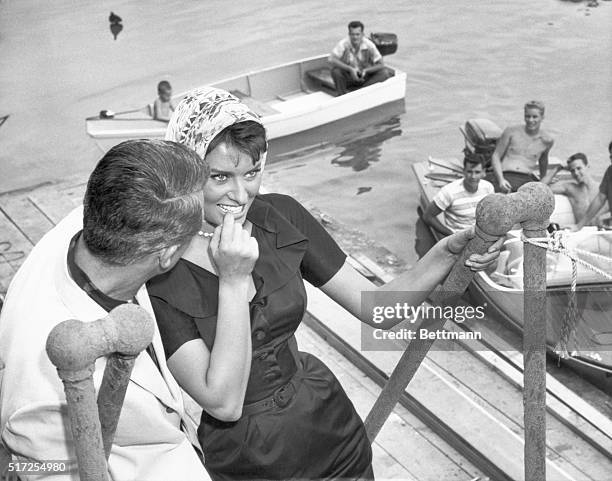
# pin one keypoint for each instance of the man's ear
(167, 257)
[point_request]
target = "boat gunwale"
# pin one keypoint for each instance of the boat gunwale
(397, 81)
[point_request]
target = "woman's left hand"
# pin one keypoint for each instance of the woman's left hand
(477, 262)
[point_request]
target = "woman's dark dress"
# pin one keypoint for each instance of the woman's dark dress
(297, 422)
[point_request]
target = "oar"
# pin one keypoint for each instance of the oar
(447, 164)
(442, 177)
(109, 114)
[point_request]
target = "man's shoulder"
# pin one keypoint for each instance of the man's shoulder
(340, 48)
(343, 43)
(546, 137)
(485, 186)
(570, 187)
(452, 189)
(591, 183)
(367, 43)
(514, 129)
(454, 186)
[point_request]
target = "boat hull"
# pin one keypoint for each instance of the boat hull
(285, 97)
(502, 296)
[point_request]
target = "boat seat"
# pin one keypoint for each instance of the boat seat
(322, 76)
(257, 106)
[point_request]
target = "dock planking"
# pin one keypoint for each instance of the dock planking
(445, 401)
(14, 248)
(24, 214)
(406, 448)
(52, 203)
(25, 217)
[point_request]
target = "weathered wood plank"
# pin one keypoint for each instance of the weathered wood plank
(581, 417)
(24, 214)
(451, 405)
(75, 192)
(52, 202)
(6, 274)
(405, 449)
(14, 246)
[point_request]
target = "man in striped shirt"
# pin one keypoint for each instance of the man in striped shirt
(458, 200)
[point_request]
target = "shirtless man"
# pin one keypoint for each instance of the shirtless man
(522, 149)
(605, 193)
(581, 190)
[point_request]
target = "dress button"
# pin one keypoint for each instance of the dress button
(169, 410)
(260, 335)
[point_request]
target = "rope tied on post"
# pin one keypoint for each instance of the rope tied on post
(558, 243)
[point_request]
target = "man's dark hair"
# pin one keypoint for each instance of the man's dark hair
(578, 156)
(610, 147)
(248, 137)
(474, 160)
(355, 24)
(163, 85)
(143, 196)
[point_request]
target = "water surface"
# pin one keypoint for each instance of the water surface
(59, 64)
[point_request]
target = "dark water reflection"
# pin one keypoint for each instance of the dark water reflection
(359, 152)
(360, 136)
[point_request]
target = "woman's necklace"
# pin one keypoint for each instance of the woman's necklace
(201, 233)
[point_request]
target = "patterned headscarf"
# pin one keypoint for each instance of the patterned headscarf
(202, 114)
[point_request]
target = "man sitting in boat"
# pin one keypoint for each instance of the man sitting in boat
(458, 199)
(356, 61)
(521, 149)
(605, 192)
(579, 191)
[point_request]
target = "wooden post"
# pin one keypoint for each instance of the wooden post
(534, 350)
(496, 214)
(73, 347)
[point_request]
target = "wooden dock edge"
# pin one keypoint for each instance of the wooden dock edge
(341, 330)
(564, 404)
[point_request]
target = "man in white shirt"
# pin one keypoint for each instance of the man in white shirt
(356, 62)
(142, 206)
(458, 200)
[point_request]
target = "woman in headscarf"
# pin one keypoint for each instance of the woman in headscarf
(295, 420)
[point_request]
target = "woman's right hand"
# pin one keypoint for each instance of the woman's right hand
(233, 250)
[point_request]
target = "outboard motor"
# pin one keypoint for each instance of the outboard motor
(386, 43)
(480, 136)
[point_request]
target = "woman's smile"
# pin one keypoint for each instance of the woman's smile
(233, 184)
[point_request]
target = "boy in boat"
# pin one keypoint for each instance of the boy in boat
(605, 193)
(356, 62)
(579, 191)
(458, 199)
(163, 107)
(521, 149)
